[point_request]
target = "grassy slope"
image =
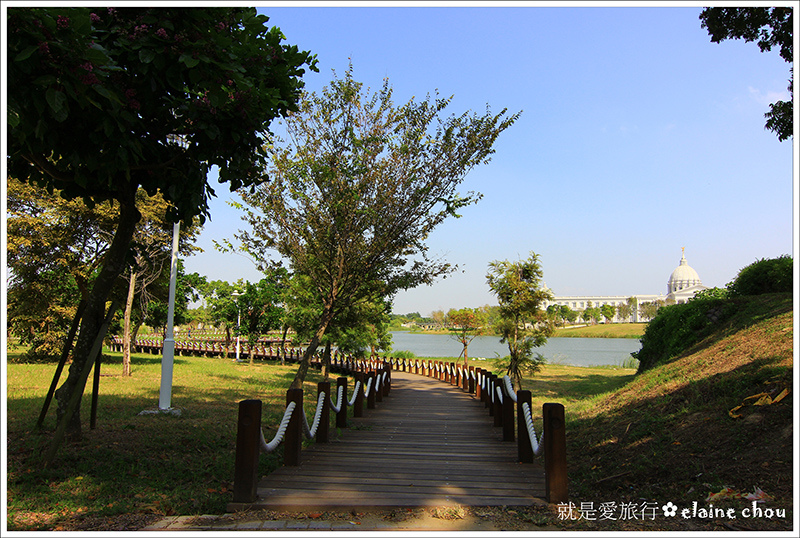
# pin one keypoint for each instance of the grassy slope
(667, 434)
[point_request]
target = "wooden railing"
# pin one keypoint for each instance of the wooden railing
(211, 348)
(372, 381)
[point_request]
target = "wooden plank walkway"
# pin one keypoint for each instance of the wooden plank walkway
(426, 444)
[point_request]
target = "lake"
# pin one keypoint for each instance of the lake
(569, 351)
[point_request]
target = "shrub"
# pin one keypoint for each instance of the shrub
(764, 276)
(678, 327)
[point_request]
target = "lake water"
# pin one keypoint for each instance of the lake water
(569, 351)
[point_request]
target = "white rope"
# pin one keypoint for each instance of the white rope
(272, 445)
(510, 389)
(338, 407)
(526, 410)
(356, 388)
(368, 387)
(499, 390)
(312, 431)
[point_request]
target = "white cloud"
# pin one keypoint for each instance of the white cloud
(768, 97)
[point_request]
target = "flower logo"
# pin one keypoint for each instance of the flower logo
(669, 509)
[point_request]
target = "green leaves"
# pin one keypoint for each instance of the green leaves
(58, 104)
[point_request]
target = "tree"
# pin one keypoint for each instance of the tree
(608, 311)
(103, 102)
(54, 247)
(465, 325)
(151, 252)
(223, 308)
(624, 310)
(770, 27)
(358, 187)
(523, 325)
(648, 310)
(260, 305)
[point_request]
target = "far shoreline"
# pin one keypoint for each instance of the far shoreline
(601, 330)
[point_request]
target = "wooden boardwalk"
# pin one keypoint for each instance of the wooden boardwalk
(427, 444)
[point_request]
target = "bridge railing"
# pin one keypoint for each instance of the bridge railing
(372, 382)
(497, 395)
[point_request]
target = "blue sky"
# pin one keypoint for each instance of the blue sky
(638, 136)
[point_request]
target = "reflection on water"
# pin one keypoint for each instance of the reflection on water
(568, 351)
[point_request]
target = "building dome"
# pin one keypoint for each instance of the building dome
(682, 277)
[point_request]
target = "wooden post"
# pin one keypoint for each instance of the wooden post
(496, 405)
(508, 414)
(378, 389)
(388, 384)
(341, 416)
(245, 474)
(293, 442)
(371, 395)
(471, 380)
(555, 453)
(524, 448)
(324, 414)
(358, 406)
(478, 388)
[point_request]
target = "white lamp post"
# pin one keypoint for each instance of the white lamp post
(165, 395)
(236, 296)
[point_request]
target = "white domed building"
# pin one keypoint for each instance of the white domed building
(683, 284)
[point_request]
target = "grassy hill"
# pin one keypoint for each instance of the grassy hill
(668, 435)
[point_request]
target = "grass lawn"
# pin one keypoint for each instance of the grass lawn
(603, 330)
(148, 464)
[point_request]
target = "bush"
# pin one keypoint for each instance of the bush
(678, 327)
(764, 276)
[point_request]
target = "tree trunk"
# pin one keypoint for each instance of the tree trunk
(93, 317)
(300, 376)
(326, 361)
(126, 336)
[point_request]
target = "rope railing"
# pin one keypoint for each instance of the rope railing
(498, 395)
(276, 441)
(372, 381)
(535, 446)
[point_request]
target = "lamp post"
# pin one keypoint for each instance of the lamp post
(167, 360)
(236, 296)
(165, 394)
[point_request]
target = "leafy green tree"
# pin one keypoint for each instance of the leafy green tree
(223, 309)
(102, 102)
(465, 325)
(624, 310)
(648, 310)
(523, 325)
(54, 248)
(608, 311)
(260, 305)
(360, 326)
(358, 188)
(769, 27)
